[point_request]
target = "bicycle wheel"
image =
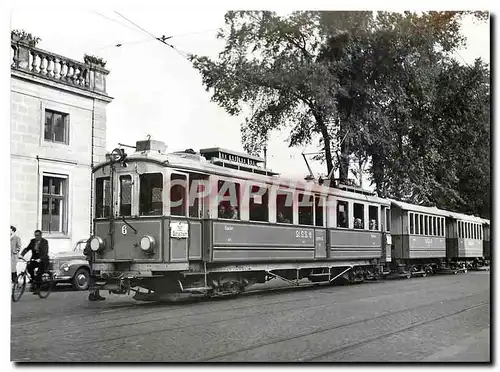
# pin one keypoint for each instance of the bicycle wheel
(45, 285)
(18, 287)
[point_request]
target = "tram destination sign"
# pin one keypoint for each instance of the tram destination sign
(179, 230)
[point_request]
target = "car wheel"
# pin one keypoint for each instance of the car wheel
(81, 279)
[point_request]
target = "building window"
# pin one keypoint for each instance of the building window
(305, 209)
(373, 217)
(342, 214)
(56, 127)
(284, 207)
(125, 195)
(359, 216)
(54, 204)
(318, 205)
(151, 194)
(259, 204)
(103, 197)
(229, 200)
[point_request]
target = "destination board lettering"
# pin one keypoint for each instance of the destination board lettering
(179, 230)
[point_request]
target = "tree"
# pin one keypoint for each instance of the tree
(377, 82)
(278, 66)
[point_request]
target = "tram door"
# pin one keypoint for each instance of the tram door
(199, 191)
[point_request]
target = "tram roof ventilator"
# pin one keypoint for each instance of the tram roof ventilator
(236, 160)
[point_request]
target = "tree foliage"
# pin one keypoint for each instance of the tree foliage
(385, 84)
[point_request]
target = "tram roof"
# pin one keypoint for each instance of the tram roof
(419, 208)
(198, 164)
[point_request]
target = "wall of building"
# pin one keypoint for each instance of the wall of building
(32, 156)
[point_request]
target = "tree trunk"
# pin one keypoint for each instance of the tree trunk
(344, 162)
(326, 141)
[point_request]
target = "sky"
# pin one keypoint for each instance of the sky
(156, 90)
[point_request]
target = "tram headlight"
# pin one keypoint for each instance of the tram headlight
(147, 244)
(96, 244)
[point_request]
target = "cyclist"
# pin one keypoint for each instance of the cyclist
(39, 248)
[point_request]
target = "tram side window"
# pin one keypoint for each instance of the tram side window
(438, 226)
(373, 217)
(359, 216)
(421, 232)
(412, 224)
(229, 200)
(388, 219)
(342, 214)
(197, 185)
(305, 209)
(460, 231)
(259, 204)
(150, 194)
(318, 205)
(434, 226)
(125, 195)
(284, 207)
(103, 197)
(178, 194)
(442, 227)
(426, 225)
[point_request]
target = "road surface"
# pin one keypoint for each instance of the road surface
(440, 318)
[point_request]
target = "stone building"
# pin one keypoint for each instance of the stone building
(58, 131)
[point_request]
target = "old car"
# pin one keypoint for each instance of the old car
(72, 267)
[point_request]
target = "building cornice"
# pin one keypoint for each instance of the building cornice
(47, 81)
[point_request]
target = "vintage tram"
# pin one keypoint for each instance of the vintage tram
(217, 221)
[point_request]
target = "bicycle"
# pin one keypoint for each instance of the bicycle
(19, 286)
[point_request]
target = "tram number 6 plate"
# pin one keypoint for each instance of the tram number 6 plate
(124, 229)
(303, 234)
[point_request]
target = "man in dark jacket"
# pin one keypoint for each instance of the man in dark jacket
(94, 294)
(39, 248)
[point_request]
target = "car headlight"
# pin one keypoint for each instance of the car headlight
(65, 267)
(147, 244)
(96, 244)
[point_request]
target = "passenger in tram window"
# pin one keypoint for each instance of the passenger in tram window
(342, 222)
(222, 211)
(232, 213)
(281, 218)
(373, 225)
(358, 224)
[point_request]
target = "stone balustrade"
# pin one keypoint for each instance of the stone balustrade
(26, 58)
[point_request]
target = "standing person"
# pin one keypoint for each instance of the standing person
(94, 294)
(39, 248)
(15, 247)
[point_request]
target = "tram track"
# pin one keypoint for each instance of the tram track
(160, 307)
(93, 340)
(388, 334)
(345, 325)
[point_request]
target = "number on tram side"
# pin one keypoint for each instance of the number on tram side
(303, 234)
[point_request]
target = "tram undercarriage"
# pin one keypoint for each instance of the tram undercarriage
(228, 281)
